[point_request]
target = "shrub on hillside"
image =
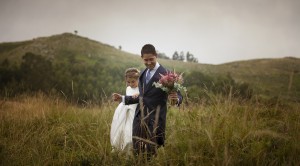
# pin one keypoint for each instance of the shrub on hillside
(200, 85)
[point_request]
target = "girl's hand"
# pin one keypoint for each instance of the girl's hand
(116, 97)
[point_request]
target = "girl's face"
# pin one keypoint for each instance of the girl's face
(132, 82)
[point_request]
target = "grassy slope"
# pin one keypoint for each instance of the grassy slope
(270, 77)
(59, 45)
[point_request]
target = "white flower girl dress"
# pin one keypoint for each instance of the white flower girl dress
(121, 126)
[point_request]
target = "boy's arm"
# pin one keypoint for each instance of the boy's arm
(180, 98)
(125, 99)
(131, 100)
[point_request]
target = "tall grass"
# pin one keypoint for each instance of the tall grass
(40, 130)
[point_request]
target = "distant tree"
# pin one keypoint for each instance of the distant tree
(181, 56)
(76, 32)
(190, 58)
(5, 63)
(175, 56)
(120, 47)
(6, 73)
(36, 72)
(162, 55)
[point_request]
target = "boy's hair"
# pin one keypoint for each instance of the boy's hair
(132, 73)
(148, 49)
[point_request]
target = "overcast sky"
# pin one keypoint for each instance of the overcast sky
(214, 31)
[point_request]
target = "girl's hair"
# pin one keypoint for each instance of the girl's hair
(132, 73)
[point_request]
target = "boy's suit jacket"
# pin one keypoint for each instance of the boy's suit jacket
(152, 104)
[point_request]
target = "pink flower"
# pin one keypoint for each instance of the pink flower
(170, 81)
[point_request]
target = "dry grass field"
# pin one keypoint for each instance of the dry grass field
(40, 130)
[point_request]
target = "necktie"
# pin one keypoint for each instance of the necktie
(148, 76)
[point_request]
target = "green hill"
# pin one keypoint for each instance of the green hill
(269, 76)
(86, 67)
(56, 46)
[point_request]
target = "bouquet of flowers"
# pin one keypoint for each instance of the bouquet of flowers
(169, 82)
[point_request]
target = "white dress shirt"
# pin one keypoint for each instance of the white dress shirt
(153, 70)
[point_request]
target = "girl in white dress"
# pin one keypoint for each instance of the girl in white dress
(121, 127)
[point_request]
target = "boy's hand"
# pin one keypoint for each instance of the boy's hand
(173, 96)
(135, 95)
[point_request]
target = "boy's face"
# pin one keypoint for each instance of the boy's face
(132, 82)
(149, 60)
